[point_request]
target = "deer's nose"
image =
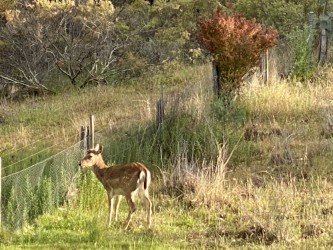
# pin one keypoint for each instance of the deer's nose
(80, 163)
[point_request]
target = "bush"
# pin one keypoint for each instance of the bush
(236, 45)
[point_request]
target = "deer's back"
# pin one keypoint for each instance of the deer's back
(122, 178)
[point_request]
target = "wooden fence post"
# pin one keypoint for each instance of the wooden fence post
(160, 109)
(265, 67)
(323, 47)
(84, 137)
(92, 131)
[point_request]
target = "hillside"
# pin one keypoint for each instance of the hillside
(252, 172)
(257, 176)
(54, 121)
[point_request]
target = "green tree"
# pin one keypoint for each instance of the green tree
(283, 15)
(160, 34)
(52, 39)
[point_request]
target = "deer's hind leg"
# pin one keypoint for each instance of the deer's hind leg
(131, 210)
(144, 195)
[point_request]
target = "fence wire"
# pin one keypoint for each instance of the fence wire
(39, 188)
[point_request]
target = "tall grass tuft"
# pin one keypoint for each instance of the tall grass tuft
(91, 193)
(198, 183)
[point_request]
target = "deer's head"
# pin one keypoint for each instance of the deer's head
(93, 157)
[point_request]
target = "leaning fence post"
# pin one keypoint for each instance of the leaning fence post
(92, 131)
(160, 109)
(216, 79)
(84, 137)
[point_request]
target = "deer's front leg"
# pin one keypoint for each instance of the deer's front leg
(110, 203)
(117, 199)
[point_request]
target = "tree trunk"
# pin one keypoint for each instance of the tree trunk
(216, 79)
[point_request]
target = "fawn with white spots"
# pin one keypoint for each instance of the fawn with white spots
(120, 180)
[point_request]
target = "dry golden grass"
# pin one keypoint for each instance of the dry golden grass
(259, 212)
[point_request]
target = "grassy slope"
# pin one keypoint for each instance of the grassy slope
(54, 122)
(276, 193)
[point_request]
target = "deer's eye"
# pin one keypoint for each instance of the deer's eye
(89, 157)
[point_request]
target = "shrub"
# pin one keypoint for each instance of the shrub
(236, 45)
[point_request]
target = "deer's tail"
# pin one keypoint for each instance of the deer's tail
(144, 176)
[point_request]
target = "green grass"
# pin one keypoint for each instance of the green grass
(257, 176)
(242, 217)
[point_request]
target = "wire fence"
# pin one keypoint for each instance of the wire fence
(39, 188)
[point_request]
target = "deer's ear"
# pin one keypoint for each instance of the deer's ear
(100, 150)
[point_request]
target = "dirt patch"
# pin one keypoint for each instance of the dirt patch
(311, 230)
(253, 234)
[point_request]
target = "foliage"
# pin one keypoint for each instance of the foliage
(302, 43)
(11, 206)
(47, 44)
(237, 45)
(161, 34)
(45, 40)
(283, 15)
(6, 5)
(94, 192)
(140, 38)
(20, 209)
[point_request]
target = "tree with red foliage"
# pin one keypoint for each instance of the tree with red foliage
(236, 45)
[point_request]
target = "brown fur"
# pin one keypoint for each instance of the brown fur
(120, 180)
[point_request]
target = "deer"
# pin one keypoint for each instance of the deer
(129, 180)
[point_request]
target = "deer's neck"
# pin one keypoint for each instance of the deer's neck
(98, 169)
